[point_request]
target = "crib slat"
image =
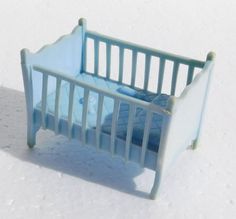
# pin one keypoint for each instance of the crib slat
(144, 49)
(145, 137)
(108, 60)
(57, 102)
(44, 100)
(96, 56)
(129, 131)
(70, 109)
(190, 74)
(147, 70)
(134, 67)
(84, 115)
(121, 63)
(174, 77)
(113, 126)
(161, 74)
(84, 56)
(99, 118)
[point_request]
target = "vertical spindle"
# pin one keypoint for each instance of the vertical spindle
(174, 77)
(147, 70)
(129, 131)
(134, 67)
(70, 109)
(44, 100)
(84, 115)
(113, 126)
(108, 60)
(99, 118)
(190, 74)
(96, 56)
(57, 103)
(161, 74)
(84, 56)
(145, 137)
(121, 63)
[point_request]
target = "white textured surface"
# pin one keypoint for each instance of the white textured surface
(60, 180)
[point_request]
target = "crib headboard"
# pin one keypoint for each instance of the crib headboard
(64, 55)
(183, 126)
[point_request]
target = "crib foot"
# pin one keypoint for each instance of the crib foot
(194, 144)
(153, 193)
(31, 140)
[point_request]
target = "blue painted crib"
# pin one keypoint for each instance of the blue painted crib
(134, 122)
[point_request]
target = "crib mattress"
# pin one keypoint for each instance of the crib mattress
(122, 120)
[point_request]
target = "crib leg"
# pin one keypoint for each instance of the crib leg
(194, 144)
(31, 137)
(155, 186)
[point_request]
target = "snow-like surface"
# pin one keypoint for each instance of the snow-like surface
(60, 179)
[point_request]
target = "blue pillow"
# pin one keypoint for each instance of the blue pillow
(127, 91)
(139, 94)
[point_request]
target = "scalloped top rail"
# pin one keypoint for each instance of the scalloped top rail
(143, 49)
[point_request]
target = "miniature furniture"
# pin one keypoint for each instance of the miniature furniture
(145, 126)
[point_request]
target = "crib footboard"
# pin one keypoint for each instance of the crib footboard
(182, 128)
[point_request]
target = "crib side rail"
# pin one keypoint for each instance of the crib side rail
(66, 77)
(102, 93)
(135, 49)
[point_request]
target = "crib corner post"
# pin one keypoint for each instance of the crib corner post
(211, 56)
(83, 23)
(155, 187)
(28, 86)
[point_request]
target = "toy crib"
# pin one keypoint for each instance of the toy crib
(136, 122)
